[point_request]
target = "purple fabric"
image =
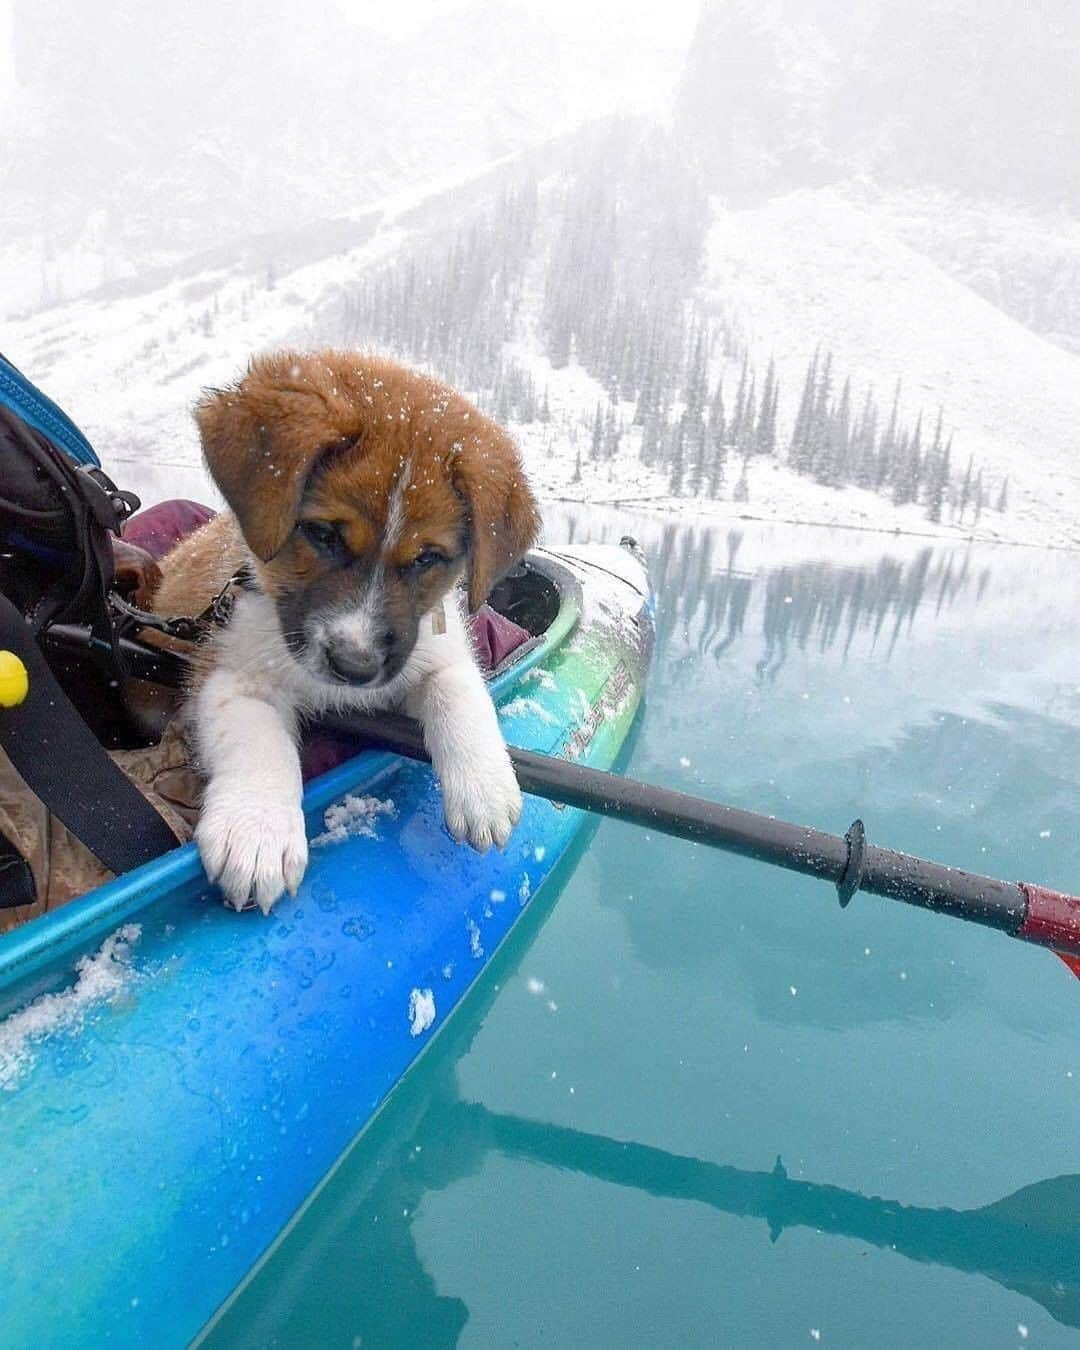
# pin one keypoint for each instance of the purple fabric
(495, 637)
(159, 527)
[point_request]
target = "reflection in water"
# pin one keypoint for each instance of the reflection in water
(818, 602)
(351, 1266)
(359, 1267)
(1027, 1242)
(815, 603)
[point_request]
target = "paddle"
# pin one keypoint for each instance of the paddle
(1021, 909)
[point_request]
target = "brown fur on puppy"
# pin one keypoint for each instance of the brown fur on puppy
(361, 494)
(307, 440)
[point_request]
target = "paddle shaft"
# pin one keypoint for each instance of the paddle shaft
(1020, 909)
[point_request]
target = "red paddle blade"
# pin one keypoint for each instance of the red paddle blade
(1073, 962)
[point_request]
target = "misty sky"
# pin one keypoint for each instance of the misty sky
(666, 27)
(668, 22)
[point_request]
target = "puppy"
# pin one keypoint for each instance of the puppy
(363, 497)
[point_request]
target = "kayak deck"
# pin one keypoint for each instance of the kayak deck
(177, 1078)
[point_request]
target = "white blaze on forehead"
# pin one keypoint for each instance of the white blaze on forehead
(361, 621)
(395, 515)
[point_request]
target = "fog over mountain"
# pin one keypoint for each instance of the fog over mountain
(141, 129)
(979, 96)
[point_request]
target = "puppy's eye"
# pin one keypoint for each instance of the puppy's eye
(430, 557)
(322, 536)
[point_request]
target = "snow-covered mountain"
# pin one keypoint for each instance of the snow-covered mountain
(805, 271)
(811, 268)
(707, 313)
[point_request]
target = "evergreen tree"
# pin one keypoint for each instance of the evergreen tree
(676, 461)
(818, 440)
(839, 466)
(1003, 496)
(717, 448)
(863, 443)
(748, 423)
(965, 489)
(717, 426)
(612, 433)
(774, 409)
(917, 460)
(937, 480)
(742, 487)
(765, 436)
(936, 448)
(697, 381)
(697, 457)
(597, 434)
(799, 450)
(646, 400)
(888, 456)
(735, 430)
(650, 440)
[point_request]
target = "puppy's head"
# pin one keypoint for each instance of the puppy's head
(365, 491)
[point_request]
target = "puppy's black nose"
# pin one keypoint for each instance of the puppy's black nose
(350, 663)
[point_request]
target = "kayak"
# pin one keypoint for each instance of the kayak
(176, 1079)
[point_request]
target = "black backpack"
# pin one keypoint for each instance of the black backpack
(60, 618)
(56, 516)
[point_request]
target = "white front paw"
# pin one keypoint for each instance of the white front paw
(481, 801)
(252, 844)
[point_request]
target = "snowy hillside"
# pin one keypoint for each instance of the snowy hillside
(1024, 261)
(810, 268)
(483, 280)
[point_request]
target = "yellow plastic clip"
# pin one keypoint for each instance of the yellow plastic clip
(14, 681)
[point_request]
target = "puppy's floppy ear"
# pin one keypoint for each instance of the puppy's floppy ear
(503, 516)
(261, 438)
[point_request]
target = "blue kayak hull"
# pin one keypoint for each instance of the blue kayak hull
(176, 1079)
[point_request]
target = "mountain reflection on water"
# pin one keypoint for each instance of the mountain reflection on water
(695, 1102)
(815, 602)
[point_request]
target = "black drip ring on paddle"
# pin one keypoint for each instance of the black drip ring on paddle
(851, 877)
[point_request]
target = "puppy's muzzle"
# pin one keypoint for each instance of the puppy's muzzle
(350, 663)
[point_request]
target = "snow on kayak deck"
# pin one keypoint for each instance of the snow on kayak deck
(421, 1011)
(351, 816)
(100, 976)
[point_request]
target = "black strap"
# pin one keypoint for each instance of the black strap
(217, 613)
(63, 763)
(16, 879)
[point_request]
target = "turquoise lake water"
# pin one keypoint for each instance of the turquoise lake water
(704, 1105)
